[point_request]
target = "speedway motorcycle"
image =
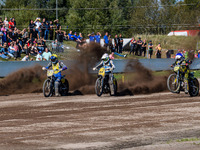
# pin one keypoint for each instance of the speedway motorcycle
(102, 83)
(48, 85)
(175, 81)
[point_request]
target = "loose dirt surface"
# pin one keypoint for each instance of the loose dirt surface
(140, 122)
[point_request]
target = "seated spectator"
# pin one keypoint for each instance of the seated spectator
(26, 58)
(25, 49)
(39, 56)
(6, 52)
(2, 55)
(46, 55)
(11, 48)
(70, 37)
(16, 53)
(6, 23)
(75, 36)
(80, 37)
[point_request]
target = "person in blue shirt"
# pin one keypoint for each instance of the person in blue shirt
(106, 41)
(75, 36)
(70, 36)
(98, 37)
(80, 37)
(91, 37)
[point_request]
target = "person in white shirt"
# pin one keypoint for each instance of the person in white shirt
(46, 55)
(39, 56)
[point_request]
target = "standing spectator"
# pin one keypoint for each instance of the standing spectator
(11, 24)
(46, 33)
(120, 43)
(110, 43)
(60, 36)
(31, 26)
(144, 47)
(38, 24)
(10, 36)
(133, 44)
(58, 26)
(5, 22)
(139, 46)
(106, 41)
(44, 21)
(91, 37)
(158, 51)
(24, 36)
(34, 35)
(1, 22)
(168, 53)
(51, 30)
(13, 20)
(150, 47)
(43, 28)
(39, 56)
(98, 37)
(4, 36)
(46, 55)
(116, 42)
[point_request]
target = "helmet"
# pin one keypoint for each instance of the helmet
(105, 57)
(179, 56)
(54, 58)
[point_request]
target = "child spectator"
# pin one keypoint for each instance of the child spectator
(39, 56)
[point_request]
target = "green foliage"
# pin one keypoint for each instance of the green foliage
(128, 17)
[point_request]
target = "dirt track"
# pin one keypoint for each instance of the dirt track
(141, 122)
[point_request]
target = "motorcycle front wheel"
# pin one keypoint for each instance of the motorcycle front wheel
(47, 89)
(99, 87)
(194, 88)
(173, 83)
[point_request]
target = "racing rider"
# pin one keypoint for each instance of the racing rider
(180, 60)
(57, 67)
(107, 63)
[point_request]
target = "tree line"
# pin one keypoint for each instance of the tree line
(128, 17)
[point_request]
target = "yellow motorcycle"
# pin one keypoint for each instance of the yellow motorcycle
(102, 83)
(48, 85)
(175, 81)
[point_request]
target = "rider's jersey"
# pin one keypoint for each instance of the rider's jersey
(56, 67)
(108, 66)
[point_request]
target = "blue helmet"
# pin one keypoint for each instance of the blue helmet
(54, 58)
(178, 56)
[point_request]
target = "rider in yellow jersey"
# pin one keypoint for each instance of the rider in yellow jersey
(57, 67)
(180, 60)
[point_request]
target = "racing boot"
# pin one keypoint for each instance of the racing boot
(56, 89)
(112, 92)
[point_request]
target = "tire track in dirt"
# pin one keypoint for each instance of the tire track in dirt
(89, 122)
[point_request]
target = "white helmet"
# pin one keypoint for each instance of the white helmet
(178, 56)
(105, 57)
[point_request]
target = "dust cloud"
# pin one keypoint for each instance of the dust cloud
(29, 80)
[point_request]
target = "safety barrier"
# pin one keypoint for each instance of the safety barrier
(121, 65)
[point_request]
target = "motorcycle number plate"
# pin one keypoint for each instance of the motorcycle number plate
(102, 72)
(176, 68)
(49, 73)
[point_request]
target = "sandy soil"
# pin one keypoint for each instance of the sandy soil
(141, 122)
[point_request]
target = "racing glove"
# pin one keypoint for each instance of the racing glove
(94, 68)
(43, 68)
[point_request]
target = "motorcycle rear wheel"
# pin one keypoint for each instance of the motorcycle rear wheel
(194, 88)
(47, 89)
(99, 87)
(173, 86)
(64, 88)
